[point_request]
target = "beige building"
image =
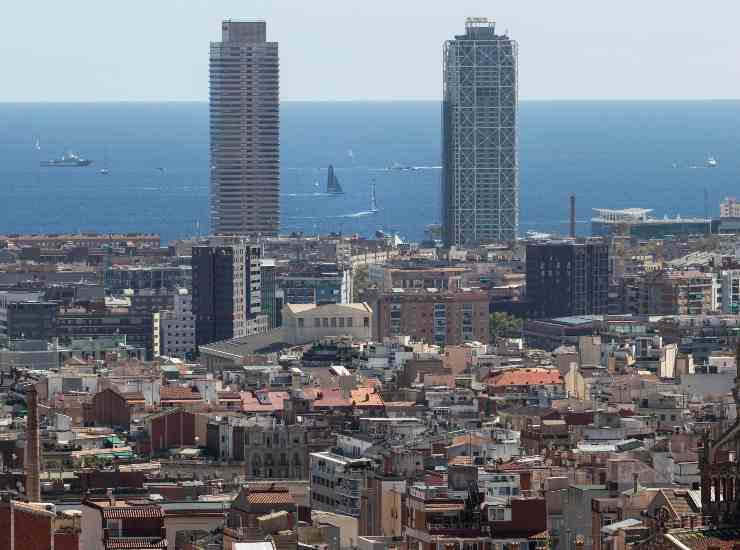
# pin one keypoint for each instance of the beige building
(304, 323)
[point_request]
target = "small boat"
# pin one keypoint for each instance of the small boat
(67, 160)
(398, 167)
(104, 171)
(711, 162)
(332, 183)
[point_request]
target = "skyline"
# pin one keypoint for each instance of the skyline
(572, 52)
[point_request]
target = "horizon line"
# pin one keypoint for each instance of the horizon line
(368, 100)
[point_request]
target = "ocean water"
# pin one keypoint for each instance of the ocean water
(611, 154)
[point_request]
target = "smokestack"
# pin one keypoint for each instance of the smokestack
(573, 215)
(736, 391)
(635, 483)
(32, 459)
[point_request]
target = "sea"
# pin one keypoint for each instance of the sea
(611, 154)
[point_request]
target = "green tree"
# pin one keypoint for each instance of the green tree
(502, 324)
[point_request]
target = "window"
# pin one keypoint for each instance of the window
(316, 322)
(334, 322)
(366, 322)
(325, 322)
(300, 322)
(349, 321)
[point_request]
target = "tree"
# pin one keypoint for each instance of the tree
(503, 324)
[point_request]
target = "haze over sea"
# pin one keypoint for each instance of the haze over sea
(611, 154)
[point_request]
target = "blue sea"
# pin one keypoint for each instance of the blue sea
(611, 154)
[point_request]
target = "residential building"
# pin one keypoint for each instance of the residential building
(109, 524)
(138, 277)
(568, 277)
(415, 275)
(480, 170)
(337, 482)
(174, 329)
(320, 283)
(271, 302)
(729, 208)
(226, 290)
(435, 317)
(680, 293)
(245, 131)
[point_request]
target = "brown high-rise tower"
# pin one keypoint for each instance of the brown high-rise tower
(32, 459)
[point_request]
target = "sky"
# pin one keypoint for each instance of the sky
(157, 50)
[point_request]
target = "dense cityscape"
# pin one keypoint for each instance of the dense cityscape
(478, 389)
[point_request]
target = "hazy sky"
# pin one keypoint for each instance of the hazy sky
(82, 50)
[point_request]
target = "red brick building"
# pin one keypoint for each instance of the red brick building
(31, 526)
(433, 316)
(171, 428)
(114, 409)
(111, 524)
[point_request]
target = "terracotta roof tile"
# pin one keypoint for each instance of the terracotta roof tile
(132, 512)
(525, 377)
(270, 497)
(135, 543)
(179, 393)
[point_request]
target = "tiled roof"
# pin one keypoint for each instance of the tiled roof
(229, 395)
(702, 539)
(526, 377)
(178, 393)
(365, 397)
(133, 396)
(270, 497)
(124, 511)
(135, 543)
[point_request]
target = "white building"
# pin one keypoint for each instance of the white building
(174, 330)
(729, 208)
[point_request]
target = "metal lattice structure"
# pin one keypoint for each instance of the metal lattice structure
(480, 178)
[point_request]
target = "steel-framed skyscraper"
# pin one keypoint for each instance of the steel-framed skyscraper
(480, 175)
(245, 131)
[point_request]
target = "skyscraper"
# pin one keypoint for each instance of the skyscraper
(480, 175)
(245, 140)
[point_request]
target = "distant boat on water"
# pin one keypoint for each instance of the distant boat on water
(67, 160)
(332, 183)
(711, 162)
(104, 171)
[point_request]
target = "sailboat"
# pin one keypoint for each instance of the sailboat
(104, 171)
(332, 183)
(373, 202)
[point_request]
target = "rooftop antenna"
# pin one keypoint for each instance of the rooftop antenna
(572, 215)
(706, 210)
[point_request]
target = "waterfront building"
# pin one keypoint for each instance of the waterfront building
(480, 171)
(729, 208)
(637, 222)
(568, 277)
(244, 123)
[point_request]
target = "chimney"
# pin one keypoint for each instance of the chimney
(111, 498)
(33, 483)
(636, 483)
(573, 215)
